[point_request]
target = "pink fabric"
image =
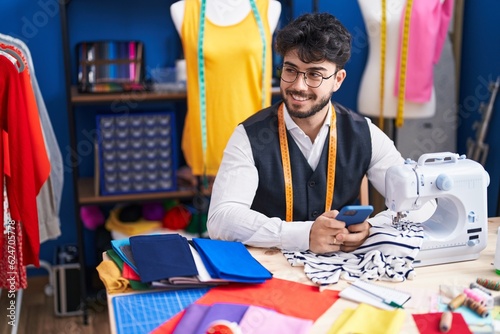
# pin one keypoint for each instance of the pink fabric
(261, 320)
(429, 23)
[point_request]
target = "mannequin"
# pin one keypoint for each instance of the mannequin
(237, 82)
(226, 12)
(369, 91)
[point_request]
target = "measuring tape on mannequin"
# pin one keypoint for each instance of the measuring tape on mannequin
(287, 169)
(402, 67)
(201, 71)
(383, 36)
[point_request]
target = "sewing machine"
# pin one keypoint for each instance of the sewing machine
(458, 228)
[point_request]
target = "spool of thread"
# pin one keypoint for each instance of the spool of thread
(487, 300)
(457, 302)
(474, 285)
(489, 284)
(481, 310)
(474, 296)
(445, 322)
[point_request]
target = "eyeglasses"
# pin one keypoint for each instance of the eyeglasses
(313, 79)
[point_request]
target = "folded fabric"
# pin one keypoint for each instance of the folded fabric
(362, 319)
(162, 256)
(230, 260)
(122, 248)
(129, 273)
(138, 227)
(387, 254)
(134, 282)
(257, 320)
(111, 276)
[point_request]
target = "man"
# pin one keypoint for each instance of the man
(288, 169)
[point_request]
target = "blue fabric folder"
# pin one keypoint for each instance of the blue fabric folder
(161, 256)
(230, 260)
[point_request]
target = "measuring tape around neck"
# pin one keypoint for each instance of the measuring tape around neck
(201, 72)
(287, 169)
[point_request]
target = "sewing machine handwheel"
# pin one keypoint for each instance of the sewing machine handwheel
(444, 182)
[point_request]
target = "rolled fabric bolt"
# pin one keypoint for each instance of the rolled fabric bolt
(489, 284)
(457, 302)
(445, 322)
(477, 307)
(474, 285)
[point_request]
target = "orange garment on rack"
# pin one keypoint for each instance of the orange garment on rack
(23, 152)
(233, 80)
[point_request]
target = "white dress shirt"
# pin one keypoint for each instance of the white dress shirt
(230, 216)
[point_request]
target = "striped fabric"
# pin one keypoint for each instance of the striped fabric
(387, 255)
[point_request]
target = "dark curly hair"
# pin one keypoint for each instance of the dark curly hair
(316, 37)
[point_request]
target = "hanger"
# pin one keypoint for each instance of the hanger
(20, 62)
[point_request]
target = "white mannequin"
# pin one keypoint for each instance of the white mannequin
(369, 91)
(226, 12)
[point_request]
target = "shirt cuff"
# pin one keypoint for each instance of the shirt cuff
(295, 235)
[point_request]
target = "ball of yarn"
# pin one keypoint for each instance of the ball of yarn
(153, 211)
(177, 218)
(130, 213)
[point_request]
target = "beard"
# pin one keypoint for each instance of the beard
(317, 107)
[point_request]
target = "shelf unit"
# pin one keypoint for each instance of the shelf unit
(84, 187)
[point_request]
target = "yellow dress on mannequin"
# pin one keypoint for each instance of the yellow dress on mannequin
(233, 81)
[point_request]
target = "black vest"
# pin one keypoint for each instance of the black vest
(309, 187)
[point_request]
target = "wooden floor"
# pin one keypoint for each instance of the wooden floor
(38, 317)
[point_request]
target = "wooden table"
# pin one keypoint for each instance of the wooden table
(426, 283)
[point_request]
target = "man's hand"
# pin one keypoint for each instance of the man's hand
(324, 232)
(330, 235)
(355, 237)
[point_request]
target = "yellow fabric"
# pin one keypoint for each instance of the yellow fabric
(367, 319)
(233, 79)
(138, 227)
(110, 275)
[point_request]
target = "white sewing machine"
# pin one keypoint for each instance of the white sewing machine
(458, 229)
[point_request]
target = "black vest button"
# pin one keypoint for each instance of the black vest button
(315, 214)
(312, 184)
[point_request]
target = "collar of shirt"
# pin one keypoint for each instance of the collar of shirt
(311, 151)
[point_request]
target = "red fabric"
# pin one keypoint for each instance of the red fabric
(129, 273)
(287, 297)
(428, 323)
(29, 163)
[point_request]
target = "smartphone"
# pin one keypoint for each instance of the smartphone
(354, 214)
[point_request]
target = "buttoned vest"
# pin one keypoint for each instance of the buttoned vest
(309, 186)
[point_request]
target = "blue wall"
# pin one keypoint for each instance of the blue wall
(37, 24)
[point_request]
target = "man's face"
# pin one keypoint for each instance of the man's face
(301, 100)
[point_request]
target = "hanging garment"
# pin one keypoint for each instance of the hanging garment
(233, 67)
(12, 269)
(22, 152)
(429, 21)
(49, 197)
